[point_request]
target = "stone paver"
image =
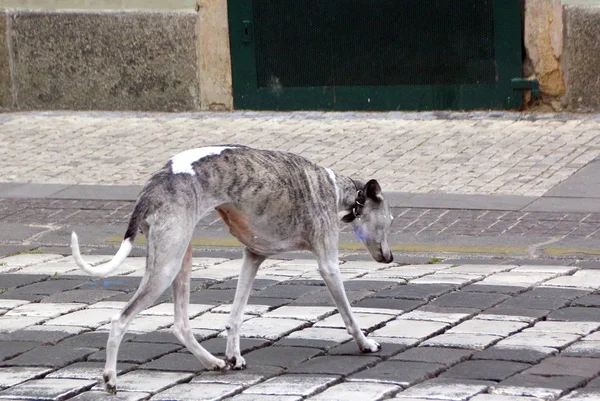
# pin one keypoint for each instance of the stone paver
(355, 391)
(503, 155)
(456, 344)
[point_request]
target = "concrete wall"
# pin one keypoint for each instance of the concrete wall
(155, 55)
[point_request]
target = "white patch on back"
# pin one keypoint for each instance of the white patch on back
(333, 180)
(182, 163)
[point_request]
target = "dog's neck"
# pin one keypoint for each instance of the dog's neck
(347, 194)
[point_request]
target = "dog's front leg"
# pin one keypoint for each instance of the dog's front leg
(330, 271)
(250, 265)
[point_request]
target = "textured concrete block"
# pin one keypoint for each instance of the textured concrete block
(582, 57)
(6, 100)
(107, 61)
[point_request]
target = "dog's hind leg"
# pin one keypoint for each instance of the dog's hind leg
(250, 265)
(327, 258)
(181, 328)
(165, 253)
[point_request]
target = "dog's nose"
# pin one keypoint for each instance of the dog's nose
(390, 259)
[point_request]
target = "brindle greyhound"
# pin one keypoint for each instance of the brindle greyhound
(272, 202)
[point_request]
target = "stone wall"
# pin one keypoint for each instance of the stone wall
(562, 45)
(153, 55)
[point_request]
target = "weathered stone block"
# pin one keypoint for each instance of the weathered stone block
(581, 60)
(6, 101)
(105, 61)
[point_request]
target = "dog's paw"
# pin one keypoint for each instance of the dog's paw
(236, 363)
(110, 383)
(370, 346)
(218, 364)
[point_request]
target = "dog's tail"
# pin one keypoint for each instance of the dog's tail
(105, 269)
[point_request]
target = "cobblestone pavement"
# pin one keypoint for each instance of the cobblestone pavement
(477, 332)
(482, 153)
(415, 221)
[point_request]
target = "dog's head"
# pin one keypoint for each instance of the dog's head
(371, 220)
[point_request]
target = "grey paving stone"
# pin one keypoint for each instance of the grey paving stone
(511, 354)
(257, 284)
(300, 342)
(589, 349)
(484, 370)
(323, 298)
(265, 397)
(94, 339)
(137, 352)
(298, 384)
(402, 373)
(305, 281)
(287, 291)
(211, 297)
(17, 294)
(583, 395)
(405, 305)
(8, 250)
(576, 314)
(271, 302)
(55, 356)
(87, 370)
(387, 349)
(335, 365)
(594, 384)
(423, 292)
(18, 280)
(444, 356)
(368, 285)
(559, 365)
(587, 301)
(588, 264)
(38, 336)
(495, 289)
(197, 392)
(161, 337)
(445, 389)
(49, 287)
(449, 310)
(527, 314)
(86, 296)
(149, 380)
(101, 395)
(118, 283)
(12, 376)
(531, 302)
(537, 386)
(246, 377)
(461, 299)
(285, 357)
(217, 346)
(562, 293)
(10, 349)
(175, 362)
(47, 389)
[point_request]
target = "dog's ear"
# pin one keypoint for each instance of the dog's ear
(373, 191)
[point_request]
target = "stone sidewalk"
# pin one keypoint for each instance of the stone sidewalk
(451, 331)
(461, 153)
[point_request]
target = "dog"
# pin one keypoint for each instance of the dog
(272, 202)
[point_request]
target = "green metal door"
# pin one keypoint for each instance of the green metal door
(375, 54)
